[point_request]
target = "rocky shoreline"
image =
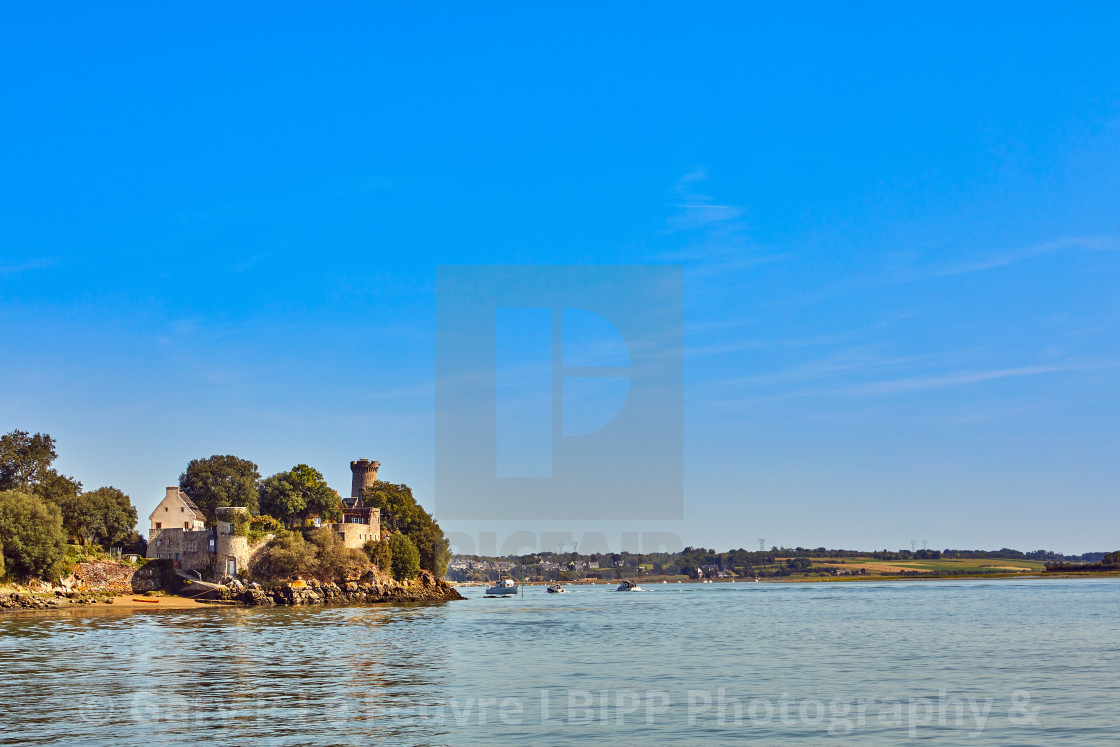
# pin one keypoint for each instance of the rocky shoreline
(426, 588)
(39, 601)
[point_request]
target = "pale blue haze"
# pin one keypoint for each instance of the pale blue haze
(219, 227)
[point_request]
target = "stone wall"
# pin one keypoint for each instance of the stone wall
(356, 535)
(117, 578)
(191, 549)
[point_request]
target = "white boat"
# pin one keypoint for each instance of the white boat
(556, 589)
(628, 586)
(504, 588)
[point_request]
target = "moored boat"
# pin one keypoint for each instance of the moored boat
(504, 588)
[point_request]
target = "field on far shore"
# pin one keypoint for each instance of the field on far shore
(929, 567)
(843, 569)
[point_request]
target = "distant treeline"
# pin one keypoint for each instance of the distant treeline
(698, 562)
(1109, 562)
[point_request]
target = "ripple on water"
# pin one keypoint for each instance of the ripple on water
(440, 674)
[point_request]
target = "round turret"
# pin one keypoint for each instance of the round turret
(365, 475)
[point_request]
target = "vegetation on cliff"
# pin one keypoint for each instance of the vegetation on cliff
(404, 561)
(401, 513)
(320, 555)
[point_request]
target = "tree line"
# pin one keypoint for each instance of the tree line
(42, 509)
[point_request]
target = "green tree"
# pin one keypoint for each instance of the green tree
(221, 481)
(104, 516)
(381, 554)
(401, 513)
(57, 488)
(32, 535)
(434, 548)
(25, 464)
(25, 459)
(298, 494)
(405, 561)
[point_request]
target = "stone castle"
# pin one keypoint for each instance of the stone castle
(179, 533)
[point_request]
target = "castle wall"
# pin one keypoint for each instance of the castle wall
(190, 549)
(356, 535)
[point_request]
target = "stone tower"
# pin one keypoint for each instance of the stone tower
(365, 475)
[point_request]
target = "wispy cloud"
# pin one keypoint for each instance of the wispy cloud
(719, 235)
(696, 208)
(958, 378)
(903, 385)
(1022, 254)
(823, 339)
(33, 264)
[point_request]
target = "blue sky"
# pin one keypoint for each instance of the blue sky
(898, 225)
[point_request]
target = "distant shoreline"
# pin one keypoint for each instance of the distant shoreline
(810, 579)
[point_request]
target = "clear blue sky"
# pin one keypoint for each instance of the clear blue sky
(898, 223)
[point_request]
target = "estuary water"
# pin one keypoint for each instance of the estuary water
(944, 662)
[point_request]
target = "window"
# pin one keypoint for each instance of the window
(181, 509)
(186, 525)
(165, 508)
(159, 525)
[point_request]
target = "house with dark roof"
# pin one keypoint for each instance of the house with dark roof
(360, 523)
(178, 532)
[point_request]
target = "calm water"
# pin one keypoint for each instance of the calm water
(977, 663)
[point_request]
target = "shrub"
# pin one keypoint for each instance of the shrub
(336, 560)
(240, 522)
(380, 553)
(405, 561)
(32, 535)
(265, 524)
(286, 556)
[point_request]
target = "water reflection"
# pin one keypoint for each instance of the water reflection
(567, 669)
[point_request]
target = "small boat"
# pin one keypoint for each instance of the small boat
(628, 586)
(504, 588)
(556, 589)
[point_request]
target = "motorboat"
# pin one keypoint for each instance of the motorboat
(628, 586)
(504, 588)
(556, 589)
